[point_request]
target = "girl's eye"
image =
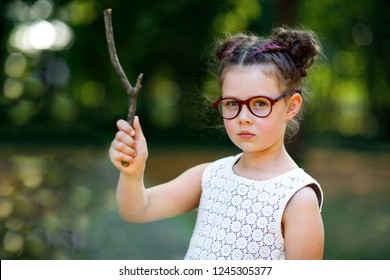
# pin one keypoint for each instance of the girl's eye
(231, 103)
(260, 103)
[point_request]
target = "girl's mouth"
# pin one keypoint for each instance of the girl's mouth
(246, 135)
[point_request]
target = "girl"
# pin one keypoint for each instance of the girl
(258, 204)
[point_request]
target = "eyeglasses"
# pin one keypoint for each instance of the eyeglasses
(260, 106)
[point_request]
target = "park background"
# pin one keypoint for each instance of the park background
(60, 99)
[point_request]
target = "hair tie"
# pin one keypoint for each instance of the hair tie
(230, 50)
(269, 46)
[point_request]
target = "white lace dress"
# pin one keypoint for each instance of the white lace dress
(239, 218)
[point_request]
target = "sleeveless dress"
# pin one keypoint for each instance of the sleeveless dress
(240, 218)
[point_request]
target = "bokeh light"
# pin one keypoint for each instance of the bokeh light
(15, 65)
(41, 35)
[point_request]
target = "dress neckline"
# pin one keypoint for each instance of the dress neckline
(236, 158)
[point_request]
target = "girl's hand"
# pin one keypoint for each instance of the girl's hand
(129, 145)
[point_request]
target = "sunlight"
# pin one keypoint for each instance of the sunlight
(41, 35)
(64, 35)
(35, 32)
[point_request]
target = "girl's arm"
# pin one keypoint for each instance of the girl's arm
(303, 227)
(137, 204)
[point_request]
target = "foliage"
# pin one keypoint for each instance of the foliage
(352, 85)
(67, 87)
(48, 91)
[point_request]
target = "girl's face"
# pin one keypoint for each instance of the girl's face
(246, 131)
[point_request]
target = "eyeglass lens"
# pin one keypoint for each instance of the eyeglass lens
(230, 108)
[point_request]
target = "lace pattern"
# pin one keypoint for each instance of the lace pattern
(239, 218)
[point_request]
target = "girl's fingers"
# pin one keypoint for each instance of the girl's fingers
(123, 148)
(117, 159)
(129, 145)
(125, 138)
(137, 129)
(125, 127)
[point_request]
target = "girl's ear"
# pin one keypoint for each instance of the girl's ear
(294, 105)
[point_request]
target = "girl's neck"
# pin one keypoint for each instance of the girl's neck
(264, 165)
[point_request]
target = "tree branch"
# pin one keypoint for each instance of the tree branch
(132, 92)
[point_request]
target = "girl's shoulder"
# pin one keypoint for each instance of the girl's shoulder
(299, 179)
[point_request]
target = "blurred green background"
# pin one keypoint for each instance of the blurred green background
(60, 99)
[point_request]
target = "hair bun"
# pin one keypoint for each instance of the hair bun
(302, 46)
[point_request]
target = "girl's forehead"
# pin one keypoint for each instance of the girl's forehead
(243, 69)
(253, 76)
(268, 70)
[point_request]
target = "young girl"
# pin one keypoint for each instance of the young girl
(255, 205)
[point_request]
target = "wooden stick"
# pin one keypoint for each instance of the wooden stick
(132, 92)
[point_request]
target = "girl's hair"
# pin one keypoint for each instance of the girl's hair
(287, 54)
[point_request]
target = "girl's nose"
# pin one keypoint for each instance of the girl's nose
(245, 116)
